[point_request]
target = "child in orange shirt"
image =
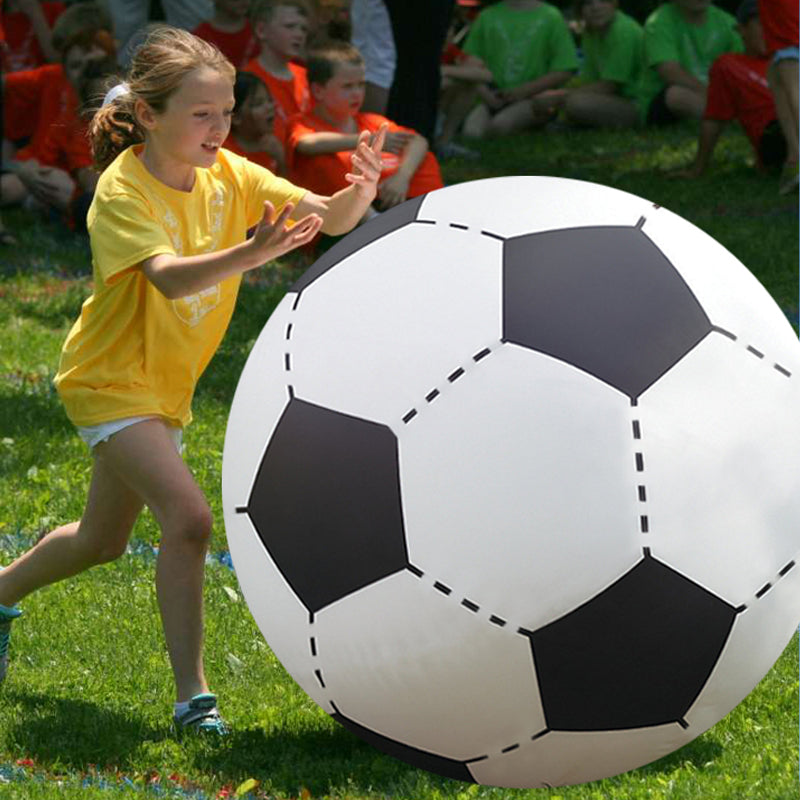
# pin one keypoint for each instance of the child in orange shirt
(281, 28)
(319, 144)
(230, 30)
(35, 99)
(27, 27)
(252, 125)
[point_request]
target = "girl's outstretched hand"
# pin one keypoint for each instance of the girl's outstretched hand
(273, 238)
(366, 161)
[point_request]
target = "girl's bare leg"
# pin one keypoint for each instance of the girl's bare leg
(100, 536)
(145, 456)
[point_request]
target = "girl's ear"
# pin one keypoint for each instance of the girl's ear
(144, 114)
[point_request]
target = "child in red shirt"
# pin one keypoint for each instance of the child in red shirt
(27, 28)
(252, 125)
(281, 28)
(320, 144)
(738, 89)
(35, 99)
(230, 30)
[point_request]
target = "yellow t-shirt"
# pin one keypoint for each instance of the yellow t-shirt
(132, 351)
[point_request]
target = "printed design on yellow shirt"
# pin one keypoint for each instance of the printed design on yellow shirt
(192, 308)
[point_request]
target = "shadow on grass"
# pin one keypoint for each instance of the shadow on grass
(74, 733)
(320, 761)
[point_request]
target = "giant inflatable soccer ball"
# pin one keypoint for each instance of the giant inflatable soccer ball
(511, 482)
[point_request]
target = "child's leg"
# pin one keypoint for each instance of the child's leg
(12, 190)
(455, 103)
(518, 116)
(145, 455)
(601, 110)
(477, 122)
(783, 79)
(100, 536)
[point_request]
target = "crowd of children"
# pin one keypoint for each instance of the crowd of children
(301, 96)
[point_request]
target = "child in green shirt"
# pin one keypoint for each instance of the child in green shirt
(516, 49)
(613, 60)
(682, 38)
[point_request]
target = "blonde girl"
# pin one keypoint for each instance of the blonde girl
(168, 229)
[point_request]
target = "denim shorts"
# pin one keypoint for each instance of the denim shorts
(787, 53)
(95, 434)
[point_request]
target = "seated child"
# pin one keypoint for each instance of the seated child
(34, 99)
(682, 38)
(281, 28)
(27, 26)
(517, 49)
(252, 125)
(610, 73)
(320, 143)
(738, 89)
(230, 30)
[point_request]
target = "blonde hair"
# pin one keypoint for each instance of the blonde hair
(159, 65)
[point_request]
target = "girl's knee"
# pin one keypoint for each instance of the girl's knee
(191, 526)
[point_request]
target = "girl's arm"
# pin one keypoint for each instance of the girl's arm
(342, 211)
(177, 276)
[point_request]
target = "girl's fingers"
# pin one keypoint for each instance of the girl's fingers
(269, 212)
(380, 138)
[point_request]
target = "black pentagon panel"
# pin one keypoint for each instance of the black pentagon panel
(326, 503)
(636, 655)
(605, 300)
(457, 770)
(386, 222)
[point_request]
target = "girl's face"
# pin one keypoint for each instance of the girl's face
(285, 33)
(343, 95)
(753, 38)
(196, 121)
(257, 112)
(598, 13)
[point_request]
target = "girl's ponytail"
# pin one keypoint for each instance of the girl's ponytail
(113, 129)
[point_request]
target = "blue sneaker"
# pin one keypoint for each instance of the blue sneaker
(201, 716)
(7, 616)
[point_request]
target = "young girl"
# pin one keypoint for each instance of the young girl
(168, 233)
(252, 125)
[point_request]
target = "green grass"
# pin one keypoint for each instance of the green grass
(90, 689)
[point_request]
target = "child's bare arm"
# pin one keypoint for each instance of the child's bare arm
(673, 74)
(324, 143)
(552, 80)
(472, 69)
(179, 276)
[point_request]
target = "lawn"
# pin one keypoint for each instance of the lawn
(89, 694)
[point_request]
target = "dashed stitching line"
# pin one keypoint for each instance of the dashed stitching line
(782, 572)
(452, 377)
(754, 351)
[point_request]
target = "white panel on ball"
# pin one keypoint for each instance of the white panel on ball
(712, 430)
(520, 453)
(560, 759)
(371, 337)
(756, 641)
(443, 673)
(730, 294)
(518, 205)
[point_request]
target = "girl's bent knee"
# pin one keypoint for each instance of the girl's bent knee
(191, 528)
